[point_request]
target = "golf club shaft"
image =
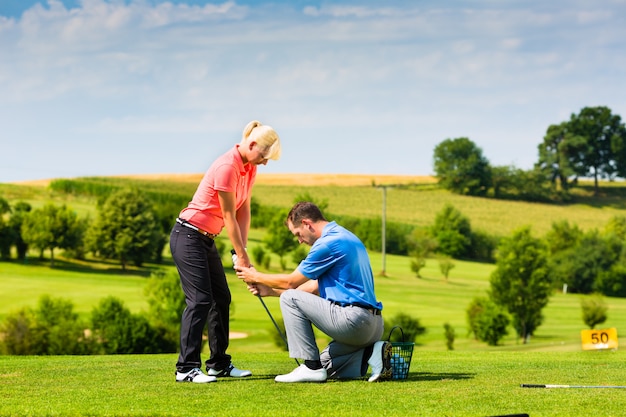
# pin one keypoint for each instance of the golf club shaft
(282, 336)
(569, 386)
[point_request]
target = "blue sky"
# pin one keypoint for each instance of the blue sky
(112, 87)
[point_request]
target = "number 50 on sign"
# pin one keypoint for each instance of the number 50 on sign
(599, 339)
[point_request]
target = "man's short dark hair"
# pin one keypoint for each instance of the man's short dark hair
(304, 210)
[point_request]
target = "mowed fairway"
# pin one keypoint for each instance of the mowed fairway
(440, 384)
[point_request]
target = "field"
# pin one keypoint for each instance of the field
(473, 379)
(454, 383)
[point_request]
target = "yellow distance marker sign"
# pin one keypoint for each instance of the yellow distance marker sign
(599, 339)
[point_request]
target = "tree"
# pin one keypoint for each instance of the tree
(513, 183)
(279, 239)
(520, 283)
(580, 266)
(597, 145)
(421, 245)
(461, 167)
(553, 160)
(52, 227)
(612, 283)
(449, 334)
(452, 231)
(20, 212)
(125, 229)
(6, 237)
(562, 236)
(445, 266)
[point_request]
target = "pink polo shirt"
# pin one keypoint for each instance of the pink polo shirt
(228, 174)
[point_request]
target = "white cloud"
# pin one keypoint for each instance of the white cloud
(327, 74)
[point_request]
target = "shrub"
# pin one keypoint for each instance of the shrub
(119, 331)
(259, 255)
(487, 321)
(277, 337)
(411, 328)
(166, 302)
(449, 333)
(594, 310)
(51, 329)
(17, 329)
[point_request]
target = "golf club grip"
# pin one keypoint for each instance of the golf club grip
(533, 385)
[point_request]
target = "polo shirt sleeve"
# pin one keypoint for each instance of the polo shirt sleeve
(225, 178)
(319, 260)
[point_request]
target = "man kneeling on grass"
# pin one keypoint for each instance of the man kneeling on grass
(333, 290)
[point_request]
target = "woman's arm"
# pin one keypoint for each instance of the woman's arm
(235, 234)
(243, 219)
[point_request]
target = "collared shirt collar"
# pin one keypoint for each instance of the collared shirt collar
(243, 169)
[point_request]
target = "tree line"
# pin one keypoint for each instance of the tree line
(591, 144)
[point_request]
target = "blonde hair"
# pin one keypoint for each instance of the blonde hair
(265, 136)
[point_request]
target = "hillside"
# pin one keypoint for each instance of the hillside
(413, 200)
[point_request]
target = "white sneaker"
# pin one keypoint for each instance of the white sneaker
(380, 361)
(229, 371)
(195, 375)
(303, 374)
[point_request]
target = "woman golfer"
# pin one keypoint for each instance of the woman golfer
(221, 200)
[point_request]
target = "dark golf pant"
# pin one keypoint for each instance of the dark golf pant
(207, 297)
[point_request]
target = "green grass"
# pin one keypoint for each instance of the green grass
(419, 206)
(431, 299)
(439, 384)
(472, 380)
(23, 284)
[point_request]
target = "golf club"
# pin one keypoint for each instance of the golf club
(569, 386)
(282, 336)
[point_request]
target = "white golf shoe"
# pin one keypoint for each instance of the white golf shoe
(380, 361)
(230, 370)
(195, 375)
(303, 374)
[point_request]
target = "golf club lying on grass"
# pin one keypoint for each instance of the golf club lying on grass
(570, 386)
(282, 336)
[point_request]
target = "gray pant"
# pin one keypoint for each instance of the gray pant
(353, 330)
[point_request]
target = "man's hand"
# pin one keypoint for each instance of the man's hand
(246, 274)
(261, 290)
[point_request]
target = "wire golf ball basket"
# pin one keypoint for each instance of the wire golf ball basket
(401, 354)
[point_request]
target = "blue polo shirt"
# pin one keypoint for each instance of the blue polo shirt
(339, 262)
